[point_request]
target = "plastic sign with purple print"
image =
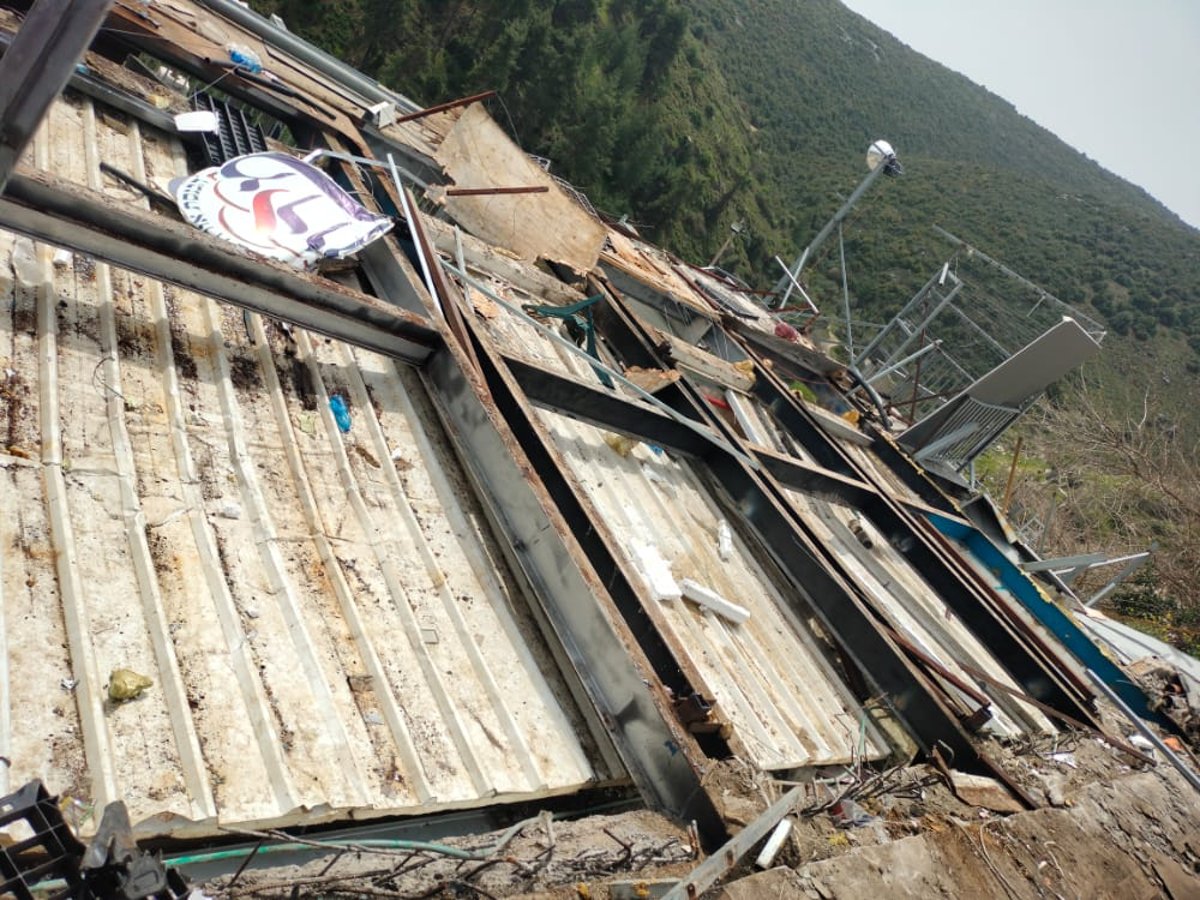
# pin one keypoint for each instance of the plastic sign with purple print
(278, 206)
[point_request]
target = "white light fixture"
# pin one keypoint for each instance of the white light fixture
(879, 152)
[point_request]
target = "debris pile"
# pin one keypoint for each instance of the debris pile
(537, 854)
(1171, 694)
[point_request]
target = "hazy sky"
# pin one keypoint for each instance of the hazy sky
(1117, 79)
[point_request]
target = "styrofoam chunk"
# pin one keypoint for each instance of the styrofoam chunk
(198, 120)
(657, 572)
(709, 599)
(724, 540)
(771, 848)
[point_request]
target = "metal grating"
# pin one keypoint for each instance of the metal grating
(236, 134)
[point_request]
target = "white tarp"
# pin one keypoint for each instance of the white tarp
(278, 206)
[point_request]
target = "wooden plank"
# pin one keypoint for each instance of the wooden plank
(534, 226)
(705, 364)
(486, 258)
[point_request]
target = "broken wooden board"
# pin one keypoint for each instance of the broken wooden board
(651, 380)
(653, 267)
(553, 226)
(706, 365)
(495, 261)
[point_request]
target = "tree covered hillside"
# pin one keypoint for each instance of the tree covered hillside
(689, 116)
(819, 83)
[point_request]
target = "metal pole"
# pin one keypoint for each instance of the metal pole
(443, 107)
(833, 223)
(908, 307)
(1135, 563)
(1012, 474)
(846, 296)
(410, 216)
(797, 286)
(306, 53)
(721, 252)
(903, 362)
(920, 329)
(1189, 776)
(791, 278)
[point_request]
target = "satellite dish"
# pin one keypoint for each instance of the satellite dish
(879, 152)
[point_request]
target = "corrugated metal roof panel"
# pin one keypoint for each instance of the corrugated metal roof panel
(770, 679)
(326, 628)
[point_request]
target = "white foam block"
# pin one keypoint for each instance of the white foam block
(709, 599)
(657, 572)
(198, 120)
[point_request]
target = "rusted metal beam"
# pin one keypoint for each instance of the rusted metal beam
(724, 860)
(815, 577)
(580, 595)
(613, 412)
(602, 408)
(1028, 657)
(490, 191)
(442, 107)
(87, 221)
(942, 672)
(444, 294)
(38, 64)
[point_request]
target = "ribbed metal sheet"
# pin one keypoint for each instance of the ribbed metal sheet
(327, 630)
(771, 681)
(910, 605)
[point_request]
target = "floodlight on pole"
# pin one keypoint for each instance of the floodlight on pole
(881, 160)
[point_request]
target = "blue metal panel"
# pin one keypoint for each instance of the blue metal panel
(1014, 582)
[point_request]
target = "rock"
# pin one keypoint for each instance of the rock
(988, 793)
(126, 684)
(1054, 784)
(740, 811)
(778, 882)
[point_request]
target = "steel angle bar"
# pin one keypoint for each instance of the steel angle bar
(551, 540)
(38, 64)
(802, 426)
(613, 412)
(100, 90)
(86, 221)
(1132, 564)
(1062, 564)
(1029, 658)
(915, 478)
(690, 422)
(709, 872)
(602, 408)
(794, 473)
(1189, 776)
(827, 592)
(614, 648)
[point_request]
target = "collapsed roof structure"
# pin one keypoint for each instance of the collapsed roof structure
(506, 505)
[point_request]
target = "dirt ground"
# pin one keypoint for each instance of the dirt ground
(1136, 837)
(544, 858)
(1108, 826)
